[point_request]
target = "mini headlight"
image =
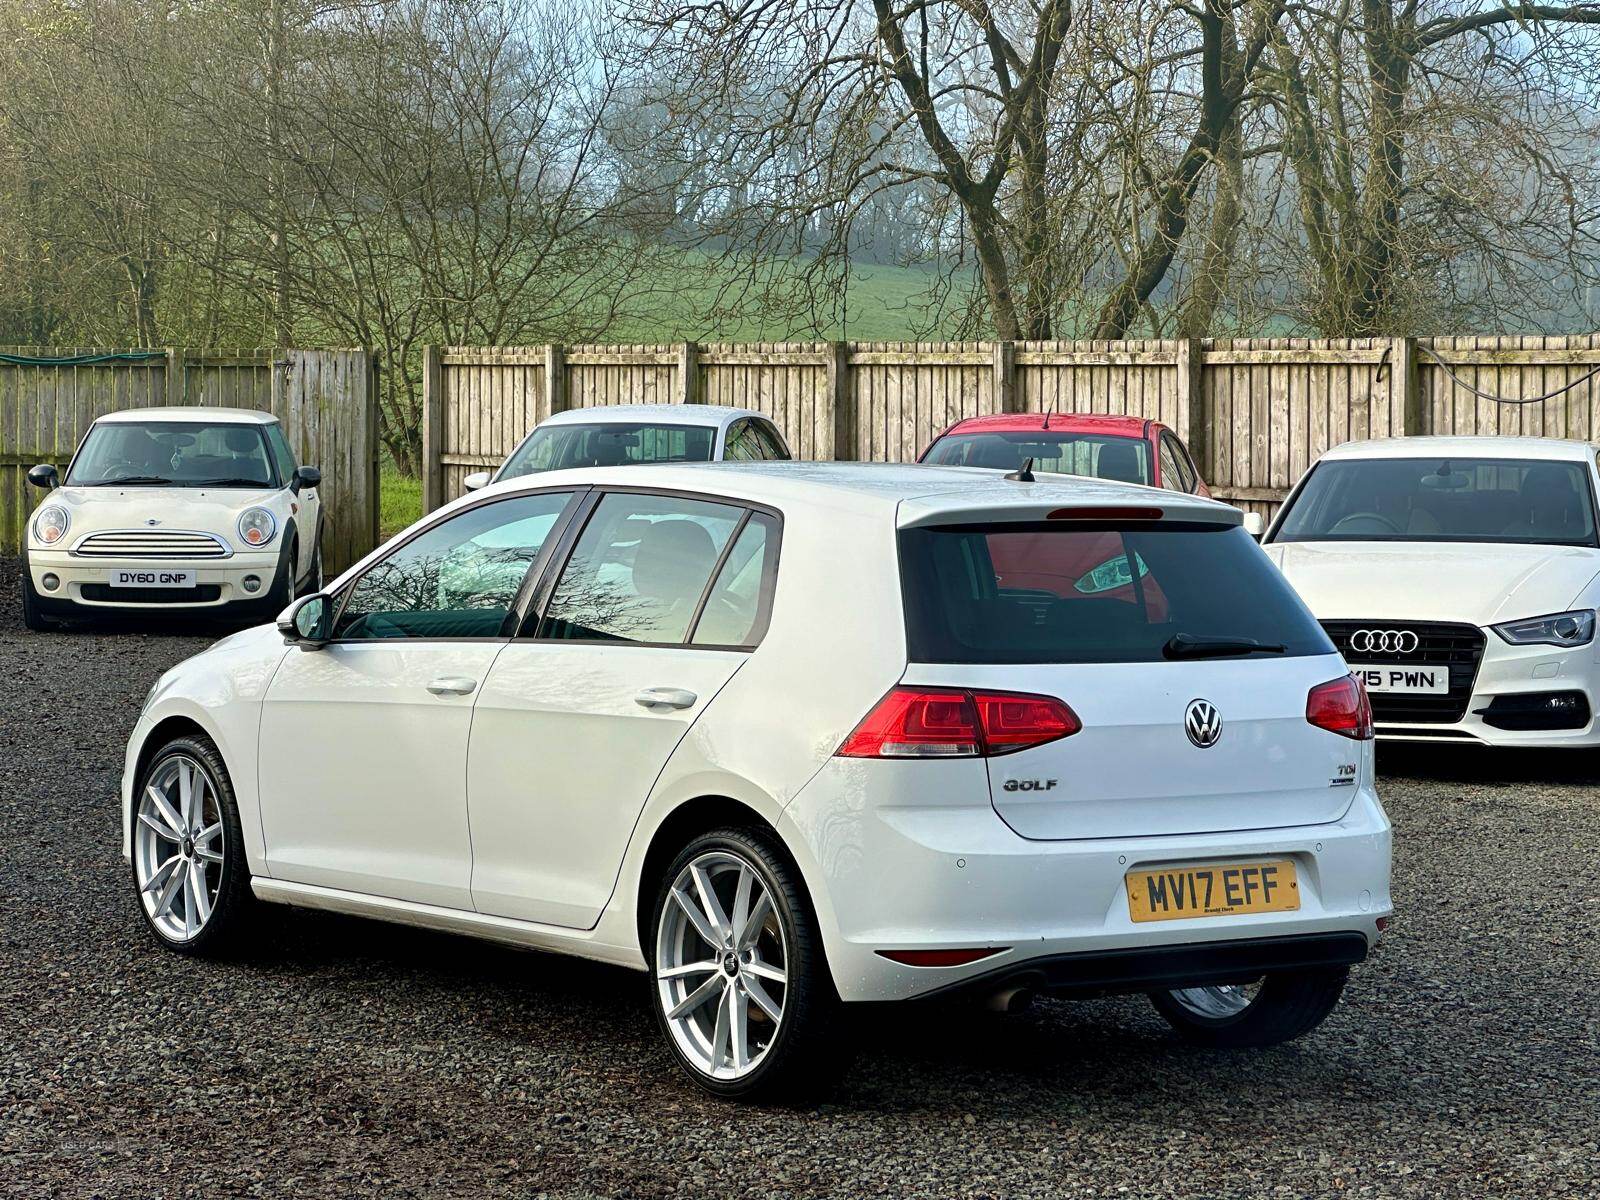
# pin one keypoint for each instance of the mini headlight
(1558, 629)
(256, 527)
(50, 524)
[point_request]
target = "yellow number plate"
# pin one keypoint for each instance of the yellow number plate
(1219, 890)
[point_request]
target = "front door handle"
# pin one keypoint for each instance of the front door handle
(665, 697)
(453, 685)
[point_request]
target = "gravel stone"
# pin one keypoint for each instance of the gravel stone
(345, 1058)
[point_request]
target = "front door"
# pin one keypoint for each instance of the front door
(655, 610)
(363, 787)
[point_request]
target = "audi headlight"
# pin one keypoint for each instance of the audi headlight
(257, 527)
(50, 524)
(1559, 629)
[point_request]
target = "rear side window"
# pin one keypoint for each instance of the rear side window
(735, 612)
(1093, 594)
(639, 570)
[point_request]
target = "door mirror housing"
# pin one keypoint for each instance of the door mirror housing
(305, 477)
(1255, 525)
(476, 480)
(307, 622)
(44, 476)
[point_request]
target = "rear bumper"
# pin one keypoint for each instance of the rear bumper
(81, 589)
(1155, 968)
(927, 864)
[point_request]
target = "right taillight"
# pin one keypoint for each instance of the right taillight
(913, 722)
(1341, 706)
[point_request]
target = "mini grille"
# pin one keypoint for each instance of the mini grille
(151, 543)
(1458, 647)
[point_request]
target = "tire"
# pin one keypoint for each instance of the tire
(32, 617)
(212, 927)
(803, 1053)
(1282, 1008)
(282, 592)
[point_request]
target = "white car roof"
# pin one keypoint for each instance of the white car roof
(714, 416)
(908, 493)
(1559, 449)
(212, 416)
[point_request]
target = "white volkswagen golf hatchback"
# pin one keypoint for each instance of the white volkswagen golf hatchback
(1460, 578)
(200, 511)
(790, 736)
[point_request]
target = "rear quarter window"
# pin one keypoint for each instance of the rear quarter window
(1048, 593)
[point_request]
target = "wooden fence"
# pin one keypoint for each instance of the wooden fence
(326, 399)
(1255, 412)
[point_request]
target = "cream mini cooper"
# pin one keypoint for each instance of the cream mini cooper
(202, 510)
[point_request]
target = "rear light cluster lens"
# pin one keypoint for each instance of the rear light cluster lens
(913, 722)
(1341, 706)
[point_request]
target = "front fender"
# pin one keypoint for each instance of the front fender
(219, 692)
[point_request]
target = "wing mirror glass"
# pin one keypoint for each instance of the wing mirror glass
(1255, 525)
(44, 476)
(307, 621)
(306, 477)
(476, 480)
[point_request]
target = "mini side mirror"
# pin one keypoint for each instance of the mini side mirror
(1255, 525)
(306, 477)
(44, 476)
(475, 481)
(305, 623)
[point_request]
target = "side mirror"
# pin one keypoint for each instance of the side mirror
(44, 476)
(305, 623)
(306, 477)
(476, 480)
(1255, 525)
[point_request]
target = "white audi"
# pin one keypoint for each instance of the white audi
(786, 736)
(200, 511)
(1460, 577)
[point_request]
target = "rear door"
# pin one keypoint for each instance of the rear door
(658, 604)
(1108, 618)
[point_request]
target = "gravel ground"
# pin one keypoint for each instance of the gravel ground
(347, 1058)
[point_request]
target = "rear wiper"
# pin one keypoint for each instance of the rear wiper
(1186, 645)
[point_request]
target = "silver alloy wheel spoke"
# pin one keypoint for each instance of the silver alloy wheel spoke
(180, 847)
(721, 965)
(1218, 1002)
(698, 997)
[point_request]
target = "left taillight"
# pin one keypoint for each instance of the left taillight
(915, 722)
(1341, 706)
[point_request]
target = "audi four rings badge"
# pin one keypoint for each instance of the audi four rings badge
(1384, 641)
(1202, 723)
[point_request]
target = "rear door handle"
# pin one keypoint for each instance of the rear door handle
(665, 697)
(453, 685)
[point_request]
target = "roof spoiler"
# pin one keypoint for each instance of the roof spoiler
(934, 510)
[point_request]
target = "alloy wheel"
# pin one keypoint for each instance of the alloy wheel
(179, 842)
(721, 965)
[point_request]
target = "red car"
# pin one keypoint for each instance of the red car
(1130, 449)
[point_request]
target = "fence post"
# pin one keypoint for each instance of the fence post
(555, 378)
(1191, 407)
(841, 403)
(176, 380)
(688, 373)
(1005, 378)
(1404, 387)
(432, 428)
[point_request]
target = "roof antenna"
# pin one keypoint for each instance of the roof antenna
(1024, 473)
(1052, 409)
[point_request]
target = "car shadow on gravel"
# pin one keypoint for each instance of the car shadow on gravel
(1485, 764)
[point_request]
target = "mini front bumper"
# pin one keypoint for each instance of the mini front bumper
(81, 586)
(953, 877)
